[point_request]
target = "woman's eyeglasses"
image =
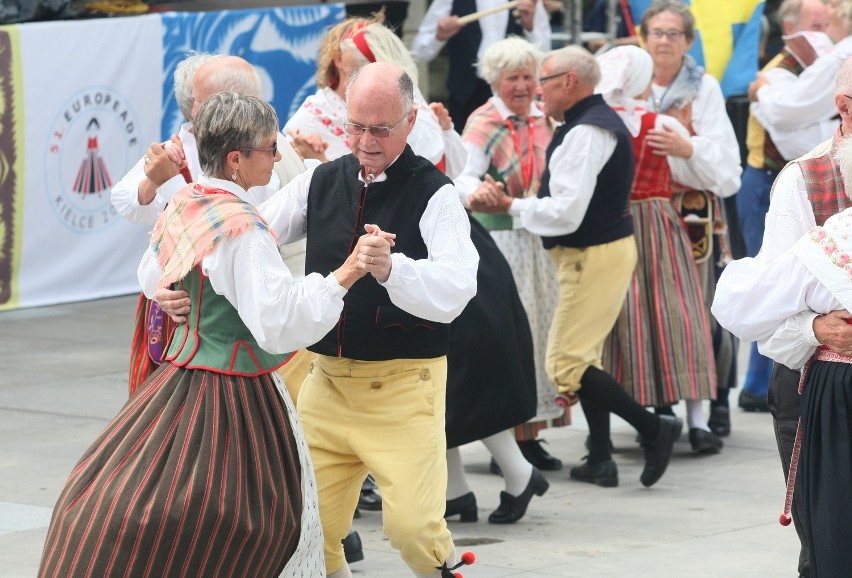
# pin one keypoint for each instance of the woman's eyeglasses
(669, 34)
(273, 149)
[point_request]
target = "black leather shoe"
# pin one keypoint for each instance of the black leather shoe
(704, 442)
(465, 506)
(512, 508)
(352, 548)
(604, 474)
(658, 451)
(720, 421)
(751, 402)
(370, 499)
(538, 457)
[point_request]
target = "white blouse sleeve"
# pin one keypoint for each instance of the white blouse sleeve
(715, 161)
(125, 196)
(574, 168)
(774, 304)
(425, 46)
(283, 313)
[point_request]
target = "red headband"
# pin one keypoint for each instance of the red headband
(356, 33)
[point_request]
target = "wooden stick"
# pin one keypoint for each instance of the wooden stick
(468, 18)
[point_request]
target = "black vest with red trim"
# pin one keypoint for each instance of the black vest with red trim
(371, 328)
(607, 218)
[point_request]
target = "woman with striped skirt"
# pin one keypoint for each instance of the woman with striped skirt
(205, 470)
(661, 348)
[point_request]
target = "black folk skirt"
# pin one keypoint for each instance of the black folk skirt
(825, 467)
(491, 382)
(198, 475)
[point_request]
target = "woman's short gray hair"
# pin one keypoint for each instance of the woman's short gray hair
(577, 60)
(228, 121)
(508, 55)
(675, 7)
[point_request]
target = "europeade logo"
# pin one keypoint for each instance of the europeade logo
(92, 143)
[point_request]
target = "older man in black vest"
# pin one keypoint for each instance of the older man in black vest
(583, 216)
(375, 396)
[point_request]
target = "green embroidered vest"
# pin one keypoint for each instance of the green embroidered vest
(215, 338)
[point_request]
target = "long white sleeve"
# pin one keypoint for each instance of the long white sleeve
(809, 99)
(283, 313)
(574, 168)
(425, 46)
(771, 303)
(436, 288)
(125, 196)
(715, 161)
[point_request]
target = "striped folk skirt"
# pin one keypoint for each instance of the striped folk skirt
(199, 474)
(661, 348)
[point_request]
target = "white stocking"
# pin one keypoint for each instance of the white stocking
(517, 471)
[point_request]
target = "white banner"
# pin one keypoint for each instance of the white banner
(85, 97)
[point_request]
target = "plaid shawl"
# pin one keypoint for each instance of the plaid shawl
(824, 182)
(486, 129)
(196, 219)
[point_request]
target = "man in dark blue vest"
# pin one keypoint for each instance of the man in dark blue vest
(466, 44)
(582, 214)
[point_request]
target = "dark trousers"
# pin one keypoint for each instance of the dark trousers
(786, 408)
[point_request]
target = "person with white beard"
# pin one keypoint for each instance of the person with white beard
(812, 278)
(806, 193)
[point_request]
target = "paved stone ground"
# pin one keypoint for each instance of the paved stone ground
(63, 376)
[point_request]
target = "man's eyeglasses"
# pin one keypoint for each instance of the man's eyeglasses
(273, 149)
(669, 34)
(543, 79)
(377, 131)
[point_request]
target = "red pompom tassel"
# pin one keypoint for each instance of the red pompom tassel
(468, 558)
(784, 520)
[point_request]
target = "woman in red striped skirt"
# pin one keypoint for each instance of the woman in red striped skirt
(661, 347)
(205, 470)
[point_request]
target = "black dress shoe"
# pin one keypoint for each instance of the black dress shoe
(538, 457)
(751, 402)
(720, 421)
(658, 451)
(704, 442)
(604, 473)
(370, 499)
(465, 506)
(512, 508)
(352, 548)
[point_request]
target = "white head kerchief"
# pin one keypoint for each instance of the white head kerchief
(625, 74)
